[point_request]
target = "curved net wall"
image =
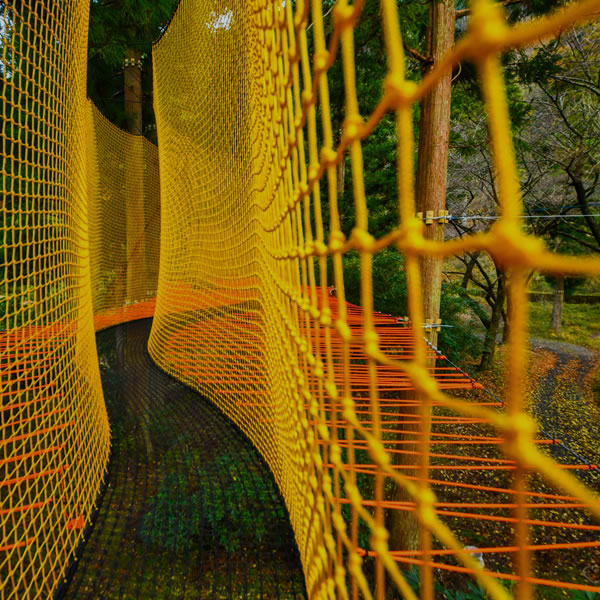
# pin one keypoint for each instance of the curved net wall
(380, 467)
(54, 433)
(124, 221)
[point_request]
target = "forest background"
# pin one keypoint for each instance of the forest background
(554, 94)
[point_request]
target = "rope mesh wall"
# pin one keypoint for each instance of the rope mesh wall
(124, 216)
(349, 410)
(54, 431)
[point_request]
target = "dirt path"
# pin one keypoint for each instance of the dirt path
(191, 510)
(564, 403)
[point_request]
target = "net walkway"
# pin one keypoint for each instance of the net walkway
(385, 454)
(190, 509)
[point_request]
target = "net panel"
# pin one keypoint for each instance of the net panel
(379, 466)
(54, 433)
(124, 221)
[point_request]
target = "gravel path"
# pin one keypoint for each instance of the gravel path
(563, 406)
(563, 348)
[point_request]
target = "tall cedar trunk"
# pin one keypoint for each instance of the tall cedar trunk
(403, 525)
(434, 131)
(134, 213)
(132, 73)
(557, 305)
(489, 344)
(152, 134)
(341, 188)
(432, 163)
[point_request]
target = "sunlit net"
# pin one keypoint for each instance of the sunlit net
(348, 406)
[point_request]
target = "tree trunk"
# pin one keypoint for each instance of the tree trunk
(557, 305)
(434, 131)
(152, 133)
(402, 525)
(432, 163)
(489, 344)
(506, 323)
(341, 188)
(584, 207)
(134, 209)
(132, 73)
(470, 265)
(505, 313)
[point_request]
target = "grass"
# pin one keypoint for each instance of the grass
(581, 322)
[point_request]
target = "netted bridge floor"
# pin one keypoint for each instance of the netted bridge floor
(190, 509)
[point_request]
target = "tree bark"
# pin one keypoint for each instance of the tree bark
(134, 208)
(505, 313)
(151, 134)
(489, 344)
(132, 74)
(432, 165)
(403, 525)
(432, 162)
(557, 305)
(469, 266)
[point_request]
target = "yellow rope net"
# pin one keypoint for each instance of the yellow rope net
(124, 222)
(323, 388)
(80, 227)
(54, 431)
(349, 409)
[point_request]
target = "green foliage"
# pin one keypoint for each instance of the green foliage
(472, 591)
(571, 284)
(389, 281)
(579, 595)
(114, 27)
(176, 518)
(458, 340)
(579, 325)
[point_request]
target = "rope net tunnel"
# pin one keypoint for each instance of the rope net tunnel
(375, 457)
(75, 257)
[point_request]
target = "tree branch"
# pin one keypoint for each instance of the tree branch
(426, 60)
(580, 242)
